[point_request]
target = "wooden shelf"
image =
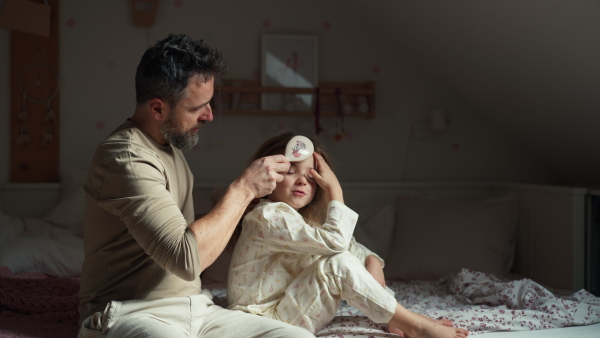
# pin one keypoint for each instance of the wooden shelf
(244, 97)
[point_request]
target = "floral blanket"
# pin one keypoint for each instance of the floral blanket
(476, 301)
(37, 305)
(480, 303)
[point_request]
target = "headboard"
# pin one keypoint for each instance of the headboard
(29, 199)
(550, 233)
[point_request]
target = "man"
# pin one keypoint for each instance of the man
(144, 251)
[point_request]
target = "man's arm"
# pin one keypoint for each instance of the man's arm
(213, 231)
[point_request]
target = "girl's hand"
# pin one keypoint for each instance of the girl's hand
(326, 179)
(375, 269)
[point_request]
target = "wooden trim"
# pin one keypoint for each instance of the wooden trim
(38, 159)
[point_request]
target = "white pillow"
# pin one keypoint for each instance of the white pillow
(216, 274)
(361, 237)
(377, 221)
(203, 202)
(434, 238)
(10, 228)
(28, 253)
(71, 179)
(68, 213)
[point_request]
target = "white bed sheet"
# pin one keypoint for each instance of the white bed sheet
(584, 331)
(482, 303)
(361, 327)
(36, 245)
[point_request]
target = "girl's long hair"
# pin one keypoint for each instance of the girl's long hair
(315, 211)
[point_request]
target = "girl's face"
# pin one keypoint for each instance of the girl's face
(298, 187)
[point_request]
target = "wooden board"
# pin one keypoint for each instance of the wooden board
(34, 69)
(243, 97)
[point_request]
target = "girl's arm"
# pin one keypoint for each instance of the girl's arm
(375, 268)
(373, 263)
(362, 252)
(326, 179)
(283, 229)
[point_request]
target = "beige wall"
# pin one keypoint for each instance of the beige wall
(100, 48)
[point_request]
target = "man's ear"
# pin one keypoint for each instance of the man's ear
(158, 108)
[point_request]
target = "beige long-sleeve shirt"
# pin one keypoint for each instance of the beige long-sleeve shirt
(276, 245)
(136, 237)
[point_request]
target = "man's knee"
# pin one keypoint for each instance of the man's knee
(273, 328)
(292, 332)
(145, 327)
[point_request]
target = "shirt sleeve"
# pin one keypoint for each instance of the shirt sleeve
(133, 187)
(284, 229)
(361, 252)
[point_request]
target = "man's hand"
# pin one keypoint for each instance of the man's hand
(213, 231)
(262, 175)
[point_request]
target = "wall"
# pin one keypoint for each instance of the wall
(100, 49)
(531, 67)
(4, 103)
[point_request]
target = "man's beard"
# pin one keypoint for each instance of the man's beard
(181, 140)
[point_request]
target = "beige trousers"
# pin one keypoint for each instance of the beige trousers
(312, 299)
(193, 316)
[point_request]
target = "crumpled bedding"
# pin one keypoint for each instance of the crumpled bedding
(36, 245)
(34, 305)
(38, 305)
(476, 301)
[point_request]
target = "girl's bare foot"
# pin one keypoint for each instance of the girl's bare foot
(395, 330)
(443, 321)
(415, 325)
(399, 332)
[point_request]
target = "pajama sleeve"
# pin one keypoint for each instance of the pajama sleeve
(361, 252)
(133, 187)
(283, 229)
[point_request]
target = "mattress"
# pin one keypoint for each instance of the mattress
(481, 303)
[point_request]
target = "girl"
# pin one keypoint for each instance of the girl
(296, 259)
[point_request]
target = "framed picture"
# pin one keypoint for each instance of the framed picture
(289, 61)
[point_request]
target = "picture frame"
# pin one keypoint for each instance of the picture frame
(289, 61)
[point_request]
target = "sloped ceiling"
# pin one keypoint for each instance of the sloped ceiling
(531, 67)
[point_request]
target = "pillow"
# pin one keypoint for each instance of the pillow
(361, 237)
(41, 247)
(36, 254)
(68, 213)
(434, 238)
(10, 228)
(216, 274)
(376, 223)
(71, 179)
(203, 202)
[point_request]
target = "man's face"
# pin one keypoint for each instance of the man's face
(180, 128)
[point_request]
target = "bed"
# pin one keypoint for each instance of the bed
(499, 259)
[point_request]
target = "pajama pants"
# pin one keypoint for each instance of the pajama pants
(193, 316)
(312, 299)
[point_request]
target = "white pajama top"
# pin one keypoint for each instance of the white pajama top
(276, 244)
